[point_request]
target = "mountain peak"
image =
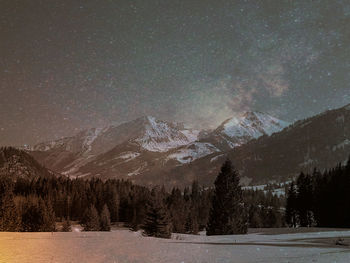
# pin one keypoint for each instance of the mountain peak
(254, 114)
(146, 118)
(160, 136)
(249, 125)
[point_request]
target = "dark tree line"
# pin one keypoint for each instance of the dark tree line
(264, 209)
(320, 199)
(38, 204)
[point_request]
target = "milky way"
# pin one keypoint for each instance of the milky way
(69, 65)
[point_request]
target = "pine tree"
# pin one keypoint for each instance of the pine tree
(227, 214)
(178, 209)
(195, 193)
(157, 222)
(346, 195)
(10, 218)
(113, 206)
(48, 216)
(304, 200)
(105, 219)
(32, 217)
(191, 226)
(291, 206)
(91, 220)
(204, 208)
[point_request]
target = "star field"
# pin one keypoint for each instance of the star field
(70, 65)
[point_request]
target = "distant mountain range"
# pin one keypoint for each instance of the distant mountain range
(150, 151)
(147, 145)
(321, 141)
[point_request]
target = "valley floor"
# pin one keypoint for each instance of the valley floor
(273, 245)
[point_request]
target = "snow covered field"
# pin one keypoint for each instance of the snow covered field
(126, 246)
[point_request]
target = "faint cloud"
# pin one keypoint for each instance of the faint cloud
(274, 81)
(211, 102)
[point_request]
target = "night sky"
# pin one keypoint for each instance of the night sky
(69, 65)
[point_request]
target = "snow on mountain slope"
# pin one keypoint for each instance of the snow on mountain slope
(160, 136)
(252, 124)
(128, 156)
(81, 142)
(192, 152)
(151, 134)
(90, 137)
(146, 144)
(69, 154)
(240, 129)
(192, 135)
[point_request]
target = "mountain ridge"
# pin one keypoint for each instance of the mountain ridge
(131, 149)
(319, 141)
(16, 163)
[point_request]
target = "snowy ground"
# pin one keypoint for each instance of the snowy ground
(126, 246)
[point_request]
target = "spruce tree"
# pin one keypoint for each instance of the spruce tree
(105, 219)
(191, 226)
(32, 217)
(48, 216)
(178, 210)
(291, 206)
(113, 206)
(227, 214)
(10, 218)
(304, 200)
(91, 220)
(157, 222)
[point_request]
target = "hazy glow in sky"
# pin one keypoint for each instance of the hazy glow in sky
(69, 65)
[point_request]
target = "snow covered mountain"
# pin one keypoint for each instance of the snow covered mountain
(69, 154)
(161, 136)
(147, 146)
(153, 135)
(240, 129)
(251, 125)
(320, 141)
(81, 142)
